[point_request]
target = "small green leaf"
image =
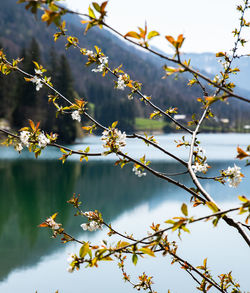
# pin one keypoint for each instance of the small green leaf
(147, 250)
(87, 149)
(212, 206)
(97, 6)
(91, 13)
(170, 222)
(132, 35)
(84, 250)
(114, 124)
(184, 209)
(134, 259)
(242, 198)
(63, 151)
(107, 258)
(152, 34)
(184, 228)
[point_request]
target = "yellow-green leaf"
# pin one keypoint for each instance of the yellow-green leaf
(54, 216)
(84, 250)
(152, 34)
(184, 228)
(91, 13)
(96, 6)
(184, 209)
(212, 206)
(107, 258)
(147, 250)
(134, 259)
(132, 35)
(114, 124)
(220, 54)
(122, 244)
(242, 198)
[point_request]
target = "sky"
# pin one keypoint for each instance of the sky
(206, 24)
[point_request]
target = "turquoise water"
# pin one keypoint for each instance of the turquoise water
(31, 190)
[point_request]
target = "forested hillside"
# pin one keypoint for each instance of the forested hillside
(25, 36)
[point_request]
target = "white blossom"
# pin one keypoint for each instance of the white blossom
(121, 83)
(116, 135)
(200, 167)
(90, 53)
(234, 175)
(70, 257)
(101, 67)
(38, 71)
(18, 147)
(103, 60)
(84, 226)
(54, 136)
(24, 137)
(51, 222)
(70, 269)
(91, 226)
(38, 82)
(216, 78)
(121, 138)
(138, 172)
(43, 140)
(130, 97)
(76, 116)
(89, 214)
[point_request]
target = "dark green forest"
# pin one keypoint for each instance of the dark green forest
(22, 35)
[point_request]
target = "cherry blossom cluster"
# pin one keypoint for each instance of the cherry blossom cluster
(138, 172)
(95, 221)
(90, 53)
(91, 226)
(76, 116)
(114, 139)
(52, 223)
(224, 63)
(70, 259)
(121, 82)
(234, 175)
(200, 167)
(37, 81)
(200, 164)
(25, 137)
(103, 63)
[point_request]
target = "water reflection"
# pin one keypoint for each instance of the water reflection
(32, 190)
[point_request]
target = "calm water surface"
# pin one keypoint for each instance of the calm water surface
(31, 190)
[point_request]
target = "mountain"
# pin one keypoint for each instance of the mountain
(19, 26)
(210, 65)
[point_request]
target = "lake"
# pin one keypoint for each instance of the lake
(31, 190)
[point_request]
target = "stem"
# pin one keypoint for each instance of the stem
(159, 148)
(154, 106)
(57, 146)
(197, 272)
(162, 56)
(207, 196)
